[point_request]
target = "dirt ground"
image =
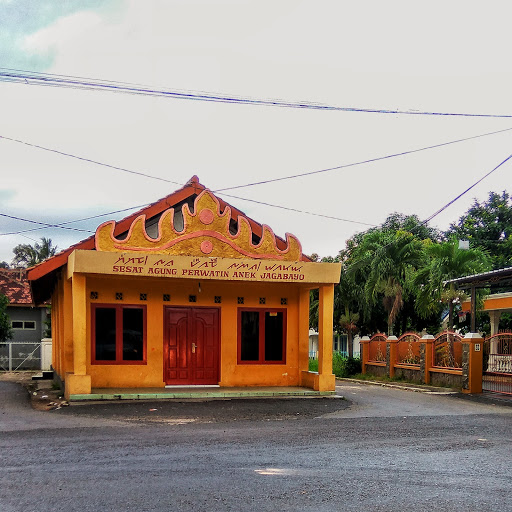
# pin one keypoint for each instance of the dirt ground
(43, 393)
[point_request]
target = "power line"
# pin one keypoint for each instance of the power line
(83, 83)
(467, 190)
(362, 162)
(427, 220)
(281, 207)
(45, 224)
(70, 155)
(424, 222)
(61, 224)
(293, 176)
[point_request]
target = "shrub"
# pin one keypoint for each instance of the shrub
(313, 365)
(342, 366)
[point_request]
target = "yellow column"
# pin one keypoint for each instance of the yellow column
(55, 332)
(78, 382)
(66, 326)
(326, 379)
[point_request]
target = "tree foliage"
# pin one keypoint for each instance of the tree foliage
(386, 258)
(5, 322)
(488, 226)
(393, 275)
(442, 262)
(26, 255)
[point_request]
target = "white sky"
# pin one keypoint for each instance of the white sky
(428, 56)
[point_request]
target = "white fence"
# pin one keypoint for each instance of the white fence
(20, 355)
(339, 344)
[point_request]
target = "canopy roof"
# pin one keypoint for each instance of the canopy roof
(501, 276)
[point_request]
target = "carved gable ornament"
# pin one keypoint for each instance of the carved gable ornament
(205, 233)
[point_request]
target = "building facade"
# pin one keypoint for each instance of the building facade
(187, 292)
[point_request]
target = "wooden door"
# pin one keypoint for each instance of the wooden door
(191, 346)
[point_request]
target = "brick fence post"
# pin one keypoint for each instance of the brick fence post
(472, 362)
(391, 355)
(426, 351)
(365, 352)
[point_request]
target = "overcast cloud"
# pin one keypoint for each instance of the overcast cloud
(426, 56)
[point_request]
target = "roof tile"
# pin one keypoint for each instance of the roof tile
(15, 286)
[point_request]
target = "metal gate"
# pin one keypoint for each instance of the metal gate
(20, 355)
(497, 361)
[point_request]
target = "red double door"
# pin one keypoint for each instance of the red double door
(191, 346)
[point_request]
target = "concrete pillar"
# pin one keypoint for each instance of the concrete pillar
(494, 316)
(326, 379)
(79, 382)
(427, 342)
(391, 355)
(356, 343)
(472, 363)
(495, 321)
(364, 343)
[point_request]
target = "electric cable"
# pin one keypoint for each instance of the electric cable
(47, 79)
(89, 160)
(45, 224)
(435, 214)
(60, 224)
(362, 162)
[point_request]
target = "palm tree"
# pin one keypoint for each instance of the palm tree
(445, 261)
(348, 299)
(388, 258)
(26, 255)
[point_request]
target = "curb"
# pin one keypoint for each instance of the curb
(431, 390)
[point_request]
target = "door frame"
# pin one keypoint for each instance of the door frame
(166, 341)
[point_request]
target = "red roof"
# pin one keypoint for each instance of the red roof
(15, 286)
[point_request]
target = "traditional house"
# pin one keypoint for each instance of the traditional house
(187, 292)
(495, 303)
(28, 320)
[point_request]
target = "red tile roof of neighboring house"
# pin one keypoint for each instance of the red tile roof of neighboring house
(15, 286)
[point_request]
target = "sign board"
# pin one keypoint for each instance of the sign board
(201, 268)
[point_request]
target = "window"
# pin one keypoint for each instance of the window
(29, 325)
(261, 335)
(118, 334)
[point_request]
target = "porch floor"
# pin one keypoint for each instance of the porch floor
(197, 392)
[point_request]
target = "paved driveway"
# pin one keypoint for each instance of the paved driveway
(388, 450)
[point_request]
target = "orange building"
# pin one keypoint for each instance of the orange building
(187, 292)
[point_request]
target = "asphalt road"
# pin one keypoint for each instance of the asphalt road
(385, 449)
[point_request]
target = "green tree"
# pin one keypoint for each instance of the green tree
(387, 258)
(488, 226)
(314, 297)
(26, 255)
(4, 264)
(5, 322)
(348, 299)
(445, 261)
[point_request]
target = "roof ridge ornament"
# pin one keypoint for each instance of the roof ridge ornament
(205, 233)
